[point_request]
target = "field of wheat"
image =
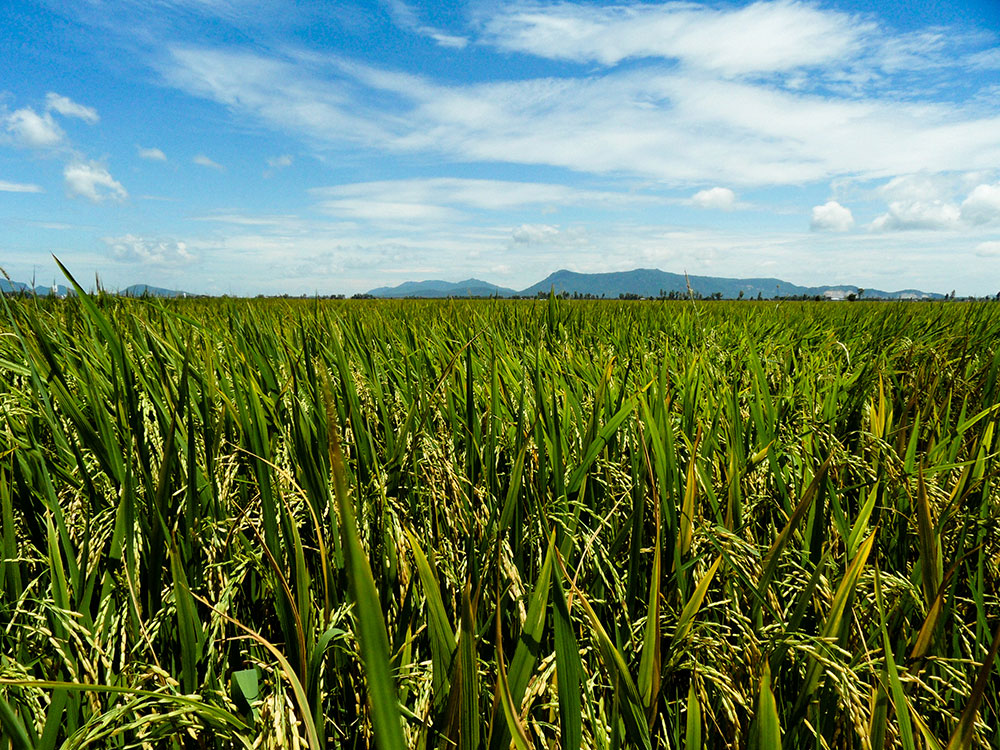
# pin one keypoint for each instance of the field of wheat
(494, 524)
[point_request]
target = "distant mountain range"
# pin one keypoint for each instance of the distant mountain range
(19, 286)
(437, 288)
(642, 282)
(136, 290)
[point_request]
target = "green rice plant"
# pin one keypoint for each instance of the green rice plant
(498, 523)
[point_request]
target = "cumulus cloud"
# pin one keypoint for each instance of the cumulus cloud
(40, 130)
(153, 154)
(91, 180)
(131, 248)
(204, 161)
(19, 187)
(34, 130)
(68, 108)
(935, 202)
(831, 217)
(903, 215)
(530, 234)
(719, 198)
(983, 204)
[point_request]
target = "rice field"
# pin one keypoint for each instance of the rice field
(489, 524)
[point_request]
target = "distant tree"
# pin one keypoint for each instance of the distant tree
(861, 292)
(741, 295)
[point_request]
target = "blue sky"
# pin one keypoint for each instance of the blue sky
(252, 147)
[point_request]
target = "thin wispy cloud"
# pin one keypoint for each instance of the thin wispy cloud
(203, 161)
(19, 187)
(68, 108)
(280, 162)
(761, 37)
(655, 122)
(442, 197)
(407, 18)
(152, 154)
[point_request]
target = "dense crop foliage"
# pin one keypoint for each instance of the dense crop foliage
(234, 523)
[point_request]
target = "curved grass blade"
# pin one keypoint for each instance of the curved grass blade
(520, 737)
(617, 669)
(768, 723)
(899, 701)
(961, 738)
(526, 653)
(442, 636)
(692, 730)
(13, 728)
(372, 636)
(686, 620)
(568, 670)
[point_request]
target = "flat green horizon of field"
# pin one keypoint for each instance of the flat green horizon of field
(494, 524)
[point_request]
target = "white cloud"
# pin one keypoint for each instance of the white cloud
(989, 249)
(153, 154)
(933, 214)
(988, 59)
(529, 234)
(287, 222)
(68, 108)
(92, 181)
(34, 130)
(441, 198)
(451, 41)
(831, 217)
(983, 204)
(19, 187)
(761, 37)
(280, 162)
(920, 187)
(934, 202)
(204, 161)
(293, 95)
(677, 125)
(131, 248)
(406, 18)
(718, 198)
(379, 210)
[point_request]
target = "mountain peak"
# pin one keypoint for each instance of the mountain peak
(640, 282)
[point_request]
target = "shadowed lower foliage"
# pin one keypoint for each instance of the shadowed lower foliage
(231, 523)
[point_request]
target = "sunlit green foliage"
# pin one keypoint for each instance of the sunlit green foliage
(232, 523)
